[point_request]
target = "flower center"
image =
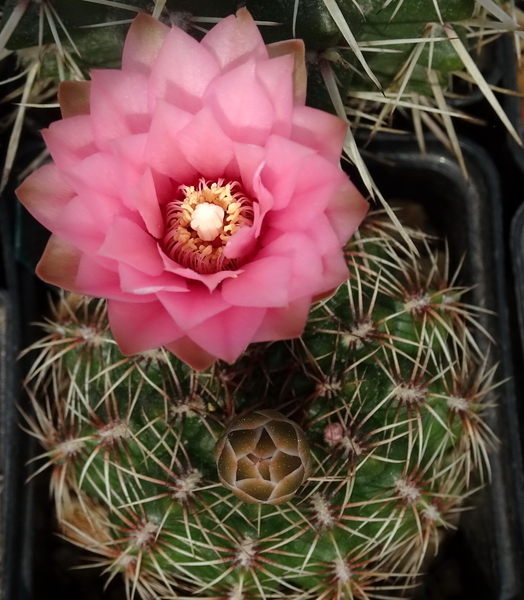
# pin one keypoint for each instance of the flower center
(207, 221)
(201, 222)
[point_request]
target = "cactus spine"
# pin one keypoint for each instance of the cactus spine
(387, 382)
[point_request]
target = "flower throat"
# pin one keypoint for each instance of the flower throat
(202, 221)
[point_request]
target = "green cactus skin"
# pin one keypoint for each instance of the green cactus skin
(310, 20)
(372, 21)
(387, 382)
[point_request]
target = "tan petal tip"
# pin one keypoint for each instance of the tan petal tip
(59, 264)
(74, 98)
(298, 51)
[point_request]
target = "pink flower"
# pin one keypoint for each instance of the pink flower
(195, 191)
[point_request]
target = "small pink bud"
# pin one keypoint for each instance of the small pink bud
(333, 433)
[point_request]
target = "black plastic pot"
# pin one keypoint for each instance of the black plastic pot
(517, 258)
(18, 542)
(486, 555)
(513, 104)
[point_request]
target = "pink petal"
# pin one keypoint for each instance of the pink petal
(323, 236)
(241, 105)
(231, 172)
(128, 243)
(162, 151)
(192, 354)
(141, 327)
(235, 39)
(335, 271)
(118, 104)
(136, 282)
(346, 211)
(191, 309)
(102, 208)
(102, 172)
(276, 78)
(284, 167)
(181, 72)
(165, 190)
(73, 97)
(205, 145)
(59, 264)
(317, 184)
(44, 194)
(94, 279)
(284, 323)
(265, 201)
(143, 42)
(143, 197)
(70, 140)
(250, 159)
(264, 283)
(77, 225)
(297, 50)
(98, 277)
(227, 334)
(243, 242)
(306, 264)
(131, 149)
(319, 130)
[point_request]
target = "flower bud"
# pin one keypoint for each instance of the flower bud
(263, 457)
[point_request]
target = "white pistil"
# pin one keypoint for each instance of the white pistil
(207, 220)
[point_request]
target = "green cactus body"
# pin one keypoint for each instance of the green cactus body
(387, 385)
(75, 26)
(373, 20)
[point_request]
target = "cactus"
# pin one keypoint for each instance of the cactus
(149, 469)
(387, 385)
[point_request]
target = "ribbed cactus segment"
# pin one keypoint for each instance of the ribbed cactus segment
(387, 384)
(369, 20)
(75, 36)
